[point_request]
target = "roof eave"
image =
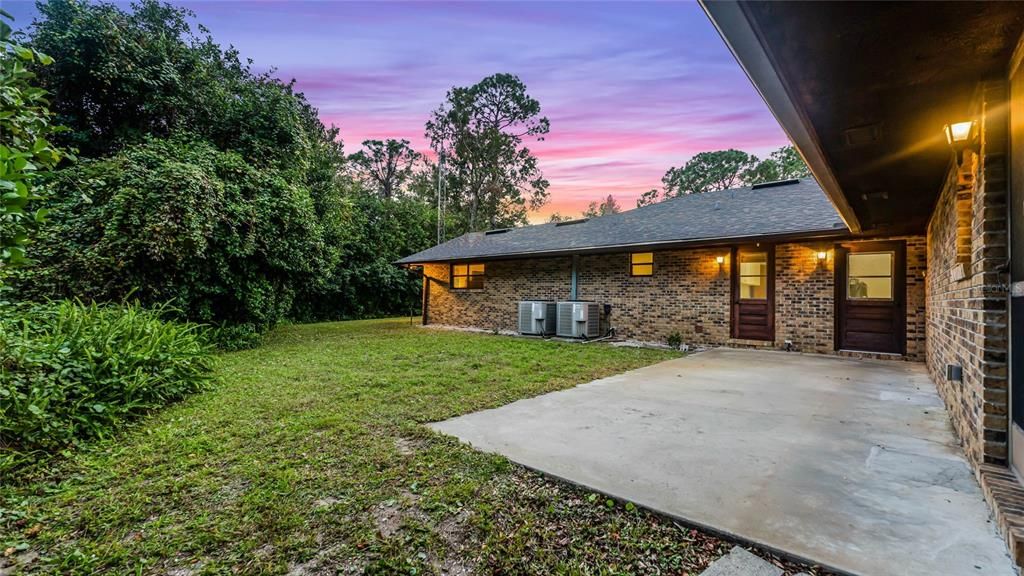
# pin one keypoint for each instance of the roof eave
(740, 35)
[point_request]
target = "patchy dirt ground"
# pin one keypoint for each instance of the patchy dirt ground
(545, 521)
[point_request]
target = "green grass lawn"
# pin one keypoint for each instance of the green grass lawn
(310, 457)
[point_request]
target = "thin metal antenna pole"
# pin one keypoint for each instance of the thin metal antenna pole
(444, 204)
(440, 215)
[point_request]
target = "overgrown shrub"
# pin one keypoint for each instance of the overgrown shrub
(181, 222)
(366, 283)
(71, 372)
(205, 184)
(124, 75)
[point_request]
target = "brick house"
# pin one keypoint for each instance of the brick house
(911, 118)
(751, 267)
(911, 115)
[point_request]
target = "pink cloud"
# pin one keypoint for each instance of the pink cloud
(631, 89)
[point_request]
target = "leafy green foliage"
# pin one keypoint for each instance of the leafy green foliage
(212, 187)
(179, 221)
(492, 177)
(385, 165)
(122, 76)
(649, 197)
(708, 171)
(782, 164)
(26, 155)
(71, 372)
(723, 169)
(366, 283)
(675, 340)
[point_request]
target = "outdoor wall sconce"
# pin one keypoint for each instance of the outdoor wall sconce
(822, 256)
(959, 132)
(960, 136)
(721, 261)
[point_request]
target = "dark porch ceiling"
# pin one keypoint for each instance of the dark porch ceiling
(871, 86)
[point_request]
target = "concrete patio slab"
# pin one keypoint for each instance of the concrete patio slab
(848, 463)
(739, 562)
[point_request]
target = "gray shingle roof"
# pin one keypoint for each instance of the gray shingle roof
(739, 213)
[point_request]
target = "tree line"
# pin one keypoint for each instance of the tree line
(180, 175)
(204, 184)
(724, 169)
(708, 172)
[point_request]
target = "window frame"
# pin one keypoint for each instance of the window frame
(633, 265)
(740, 275)
(891, 276)
(471, 277)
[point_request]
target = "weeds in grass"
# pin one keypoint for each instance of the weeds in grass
(72, 373)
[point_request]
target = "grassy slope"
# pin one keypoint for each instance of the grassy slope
(309, 456)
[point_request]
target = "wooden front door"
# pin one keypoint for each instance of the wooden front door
(871, 297)
(753, 292)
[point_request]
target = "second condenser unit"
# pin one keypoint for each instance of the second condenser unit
(578, 319)
(537, 317)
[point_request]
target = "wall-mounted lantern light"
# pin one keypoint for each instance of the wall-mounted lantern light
(720, 260)
(960, 132)
(960, 136)
(822, 256)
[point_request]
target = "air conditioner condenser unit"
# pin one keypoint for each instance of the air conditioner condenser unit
(537, 317)
(577, 319)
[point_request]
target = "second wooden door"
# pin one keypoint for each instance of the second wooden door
(753, 292)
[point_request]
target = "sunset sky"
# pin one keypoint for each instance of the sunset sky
(631, 89)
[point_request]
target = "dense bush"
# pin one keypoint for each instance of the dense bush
(122, 75)
(181, 222)
(71, 372)
(366, 283)
(126, 77)
(204, 185)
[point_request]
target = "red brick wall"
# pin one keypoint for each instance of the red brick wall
(506, 283)
(688, 294)
(805, 297)
(967, 303)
